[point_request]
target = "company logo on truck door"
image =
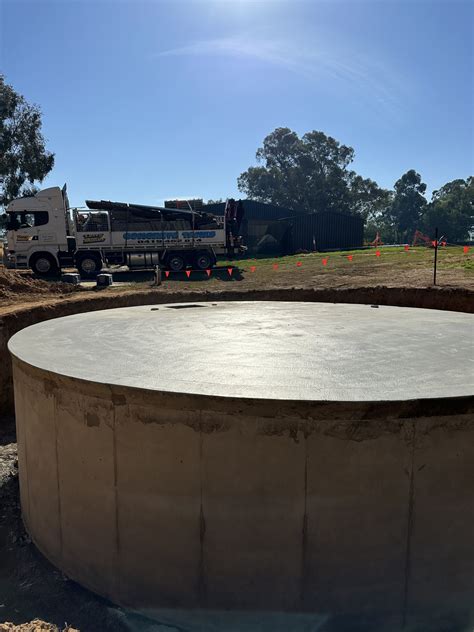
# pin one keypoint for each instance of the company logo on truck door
(93, 239)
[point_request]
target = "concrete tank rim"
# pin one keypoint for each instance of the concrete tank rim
(162, 306)
(399, 410)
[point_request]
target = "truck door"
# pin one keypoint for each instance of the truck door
(92, 230)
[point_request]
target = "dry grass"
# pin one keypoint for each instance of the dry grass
(394, 267)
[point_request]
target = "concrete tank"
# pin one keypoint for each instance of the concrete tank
(259, 455)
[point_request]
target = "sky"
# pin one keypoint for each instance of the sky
(146, 101)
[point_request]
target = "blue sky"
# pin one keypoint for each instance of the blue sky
(144, 101)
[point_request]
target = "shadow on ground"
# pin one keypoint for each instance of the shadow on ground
(142, 276)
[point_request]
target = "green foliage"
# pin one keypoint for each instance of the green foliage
(23, 156)
(451, 210)
(409, 203)
(380, 224)
(311, 174)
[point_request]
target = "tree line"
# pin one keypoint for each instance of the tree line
(312, 174)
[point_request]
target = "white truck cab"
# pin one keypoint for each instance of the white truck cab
(39, 231)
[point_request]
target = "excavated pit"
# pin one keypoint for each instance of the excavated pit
(253, 455)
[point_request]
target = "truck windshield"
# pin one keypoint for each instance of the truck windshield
(27, 220)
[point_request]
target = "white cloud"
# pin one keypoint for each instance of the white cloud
(371, 80)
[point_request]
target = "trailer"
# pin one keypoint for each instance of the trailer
(44, 234)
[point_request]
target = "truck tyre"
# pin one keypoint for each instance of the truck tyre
(44, 264)
(89, 265)
(204, 260)
(176, 263)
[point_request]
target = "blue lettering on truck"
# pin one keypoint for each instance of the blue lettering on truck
(171, 234)
(166, 234)
(202, 234)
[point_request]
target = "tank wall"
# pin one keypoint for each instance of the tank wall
(159, 500)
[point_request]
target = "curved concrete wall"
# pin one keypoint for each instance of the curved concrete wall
(180, 500)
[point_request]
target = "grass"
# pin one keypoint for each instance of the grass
(448, 259)
(394, 266)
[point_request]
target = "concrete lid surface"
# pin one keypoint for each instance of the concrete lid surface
(264, 350)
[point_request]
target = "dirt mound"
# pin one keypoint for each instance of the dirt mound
(13, 283)
(34, 626)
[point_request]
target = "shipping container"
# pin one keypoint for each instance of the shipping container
(325, 231)
(274, 230)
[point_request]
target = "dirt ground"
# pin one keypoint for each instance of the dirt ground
(14, 285)
(34, 626)
(395, 267)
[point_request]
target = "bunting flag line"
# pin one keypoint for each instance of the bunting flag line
(325, 260)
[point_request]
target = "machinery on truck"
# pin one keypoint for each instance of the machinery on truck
(45, 234)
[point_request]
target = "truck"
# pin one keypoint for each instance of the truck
(45, 235)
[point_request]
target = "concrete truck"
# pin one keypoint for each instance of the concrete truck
(46, 235)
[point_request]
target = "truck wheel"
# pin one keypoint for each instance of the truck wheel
(44, 264)
(176, 263)
(89, 265)
(204, 261)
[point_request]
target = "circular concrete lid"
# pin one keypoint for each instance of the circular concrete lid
(264, 350)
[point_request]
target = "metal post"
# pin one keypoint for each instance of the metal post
(435, 256)
(157, 275)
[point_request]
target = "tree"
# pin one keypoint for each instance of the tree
(367, 198)
(451, 210)
(406, 211)
(23, 156)
(310, 174)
